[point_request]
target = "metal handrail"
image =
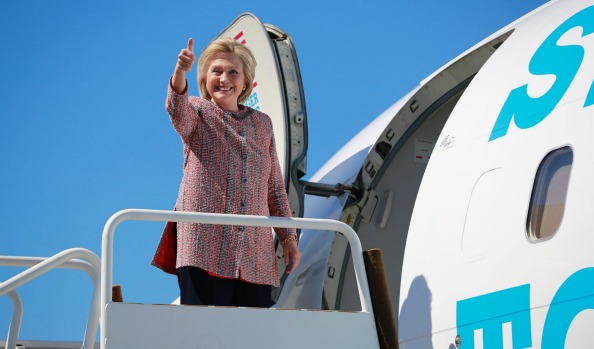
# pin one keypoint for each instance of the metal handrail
(15, 320)
(225, 219)
(74, 258)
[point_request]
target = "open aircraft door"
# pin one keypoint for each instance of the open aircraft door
(278, 92)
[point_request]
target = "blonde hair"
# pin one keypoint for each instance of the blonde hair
(227, 45)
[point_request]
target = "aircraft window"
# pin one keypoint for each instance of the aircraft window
(549, 194)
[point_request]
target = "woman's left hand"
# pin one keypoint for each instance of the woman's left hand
(291, 254)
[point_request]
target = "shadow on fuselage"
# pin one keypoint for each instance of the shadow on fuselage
(414, 322)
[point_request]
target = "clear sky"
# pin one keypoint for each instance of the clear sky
(84, 132)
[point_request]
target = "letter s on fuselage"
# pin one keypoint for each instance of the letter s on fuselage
(549, 59)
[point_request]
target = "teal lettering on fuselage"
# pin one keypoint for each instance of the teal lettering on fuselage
(574, 296)
(549, 59)
(490, 311)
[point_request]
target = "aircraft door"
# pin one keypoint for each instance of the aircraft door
(278, 92)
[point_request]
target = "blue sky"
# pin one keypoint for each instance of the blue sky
(84, 132)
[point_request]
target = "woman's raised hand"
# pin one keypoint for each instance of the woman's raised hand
(185, 61)
(186, 57)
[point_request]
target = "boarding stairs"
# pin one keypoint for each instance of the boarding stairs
(130, 325)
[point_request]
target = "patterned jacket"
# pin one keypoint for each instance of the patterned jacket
(230, 166)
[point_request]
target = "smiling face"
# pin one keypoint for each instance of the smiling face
(225, 80)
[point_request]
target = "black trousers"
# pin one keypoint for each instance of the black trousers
(198, 288)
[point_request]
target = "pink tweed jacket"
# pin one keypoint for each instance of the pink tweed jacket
(230, 166)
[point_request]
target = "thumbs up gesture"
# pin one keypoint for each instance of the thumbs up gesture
(186, 58)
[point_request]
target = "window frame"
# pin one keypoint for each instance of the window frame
(547, 182)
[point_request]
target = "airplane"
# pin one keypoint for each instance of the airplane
(474, 185)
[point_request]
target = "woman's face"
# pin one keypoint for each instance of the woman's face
(225, 80)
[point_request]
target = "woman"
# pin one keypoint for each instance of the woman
(230, 166)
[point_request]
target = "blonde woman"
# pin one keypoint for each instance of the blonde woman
(230, 166)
